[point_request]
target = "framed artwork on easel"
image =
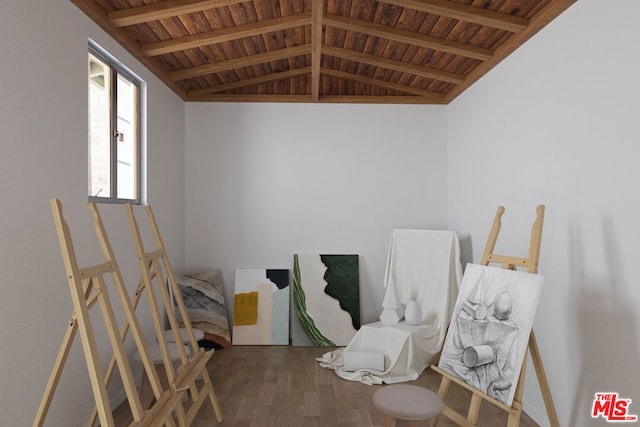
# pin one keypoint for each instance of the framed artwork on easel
(489, 331)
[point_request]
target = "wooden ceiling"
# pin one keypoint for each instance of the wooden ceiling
(358, 51)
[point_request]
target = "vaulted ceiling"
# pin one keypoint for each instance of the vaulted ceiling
(359, 51)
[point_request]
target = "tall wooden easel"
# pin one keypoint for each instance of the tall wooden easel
(88, 287)
(156, 272)
(515, 410)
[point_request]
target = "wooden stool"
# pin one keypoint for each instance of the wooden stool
(416, 405)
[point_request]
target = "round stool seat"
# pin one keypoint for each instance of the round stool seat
(408, 402)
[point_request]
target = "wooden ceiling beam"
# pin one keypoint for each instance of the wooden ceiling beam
(194, 94)
(244, 61)
(463, 12)
(383, 84)
(513, 32)
(316, 47)
(166, 9)
(100, 17)
(408, 37)
(226, 34)
(542, 18)
(390, 64)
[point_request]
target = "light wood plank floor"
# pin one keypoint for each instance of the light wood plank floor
(262, 386)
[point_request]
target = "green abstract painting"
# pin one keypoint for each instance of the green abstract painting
(326, 292)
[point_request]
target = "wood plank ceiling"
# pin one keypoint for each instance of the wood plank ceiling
(358, 51)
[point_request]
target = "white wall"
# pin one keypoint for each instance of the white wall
(557, 123)
(266, 181)
(43, 136)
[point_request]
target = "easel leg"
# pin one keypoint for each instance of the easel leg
(442, 392)
(45, 404)
(474, 409)
(146, 395)
(214, 399)
(93, 364)
(514, 419)
(542, 380)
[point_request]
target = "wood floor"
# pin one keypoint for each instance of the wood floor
(284, 386)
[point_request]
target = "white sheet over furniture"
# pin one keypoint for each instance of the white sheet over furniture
(425, 267)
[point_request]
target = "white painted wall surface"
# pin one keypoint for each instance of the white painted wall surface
(557, 123)
(43, 137)
(266, 181)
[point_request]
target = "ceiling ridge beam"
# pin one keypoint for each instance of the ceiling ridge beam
(231, 97)
(408, 37)
(316, 47)
(243, 61)
(390, 64)
(194, 94)
(383, 84)
(332, 99)
(226, 34)
(463, 12)
(378, 99)
(166, 9)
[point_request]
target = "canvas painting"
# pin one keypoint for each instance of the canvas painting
(261, 307)
(326, 297)
(490, 327)
(203, 297)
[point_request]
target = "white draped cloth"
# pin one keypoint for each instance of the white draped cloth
(424, 266)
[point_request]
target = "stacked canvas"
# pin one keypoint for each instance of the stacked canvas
(203, 296)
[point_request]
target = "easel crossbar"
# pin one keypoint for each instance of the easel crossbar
(160, 412)
(506, 260)
(150, 256)
(96, 270)
(188, 373)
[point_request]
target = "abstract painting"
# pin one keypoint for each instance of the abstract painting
(326, 293)
(203, 297)
(261, 307)
(490, 327)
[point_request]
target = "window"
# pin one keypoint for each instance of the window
(114, 130)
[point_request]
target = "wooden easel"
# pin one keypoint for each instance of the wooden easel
(88, 287)
(515, 410)
(156, 271)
